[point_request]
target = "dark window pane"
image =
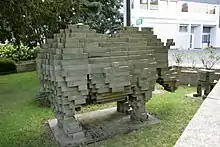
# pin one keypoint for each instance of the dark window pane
(206, 30)
(206, 38)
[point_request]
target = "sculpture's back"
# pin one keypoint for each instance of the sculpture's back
(80, 67)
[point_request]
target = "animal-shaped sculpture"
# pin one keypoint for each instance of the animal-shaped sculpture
(79, 66)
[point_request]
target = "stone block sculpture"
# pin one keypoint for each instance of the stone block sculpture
(206, 79)
(79, 66)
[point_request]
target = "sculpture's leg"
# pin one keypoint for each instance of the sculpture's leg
(59, 117)
(55, 103)
(138, 107)
(66, 120)
(199, 91)
(207, 90)
(123, 106)
(73, 129)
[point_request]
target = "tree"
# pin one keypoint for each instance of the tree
(105, 16)
(18, 21)
(29, 21)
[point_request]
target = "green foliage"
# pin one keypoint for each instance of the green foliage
(209, 57)
(29, 22)
(18, 53)
(7, 66)
(106, 17)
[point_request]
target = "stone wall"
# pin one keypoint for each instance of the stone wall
(26, 66)
(187, 77)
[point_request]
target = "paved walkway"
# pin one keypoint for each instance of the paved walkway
(188, 59)
(204, 128)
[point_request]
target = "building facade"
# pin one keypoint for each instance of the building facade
(192, 24)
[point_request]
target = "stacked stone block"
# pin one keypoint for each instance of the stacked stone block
(79, 66)
(206, 79)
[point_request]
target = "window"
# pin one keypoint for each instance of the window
(144, 4)
(173, 3)
(149, 4)
(206, 38)
(200, 8)
(132, 5)
(192, 30)
(184, 7)
(206, 35)
(165, 1)
(183, 28)
(219, 18)
(153, 4)
(191, 41)
(212, 10)
(206, 30)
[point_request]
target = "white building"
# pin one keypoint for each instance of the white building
(192, 24)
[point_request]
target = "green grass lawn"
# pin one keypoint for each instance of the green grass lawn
(22, 121)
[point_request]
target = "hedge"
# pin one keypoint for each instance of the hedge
(7, 66)
(18, 53)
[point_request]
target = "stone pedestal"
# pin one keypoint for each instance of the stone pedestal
(99, 125)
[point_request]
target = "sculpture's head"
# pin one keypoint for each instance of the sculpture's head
(170, 86)
(168, 79)
(170, 42)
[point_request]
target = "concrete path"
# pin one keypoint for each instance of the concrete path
(188, 60)
(204, 128)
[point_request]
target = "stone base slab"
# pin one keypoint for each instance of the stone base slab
(99, 125)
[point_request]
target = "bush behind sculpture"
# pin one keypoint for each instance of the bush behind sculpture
(7, 66)
(18, 53)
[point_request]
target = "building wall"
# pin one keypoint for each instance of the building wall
(217, 39)
(167, 16)
(163, 31)
(213, 38)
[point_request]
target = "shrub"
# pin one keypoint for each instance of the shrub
(7, 66)
(18, 53)
(209, 57)
(179, 57)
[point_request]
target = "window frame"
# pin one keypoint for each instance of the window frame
(185, 30)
